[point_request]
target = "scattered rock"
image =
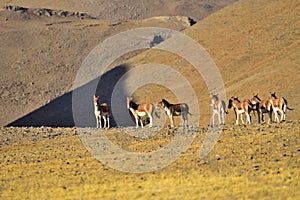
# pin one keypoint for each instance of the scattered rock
(47, 12)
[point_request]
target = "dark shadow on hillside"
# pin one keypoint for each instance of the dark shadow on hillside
(59, 113)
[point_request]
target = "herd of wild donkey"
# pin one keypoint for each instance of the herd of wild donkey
(272, 104)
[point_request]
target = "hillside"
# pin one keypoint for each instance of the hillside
(256, 48)
(254, 44)
(41, 55)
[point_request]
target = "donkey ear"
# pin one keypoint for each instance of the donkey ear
(94, 96)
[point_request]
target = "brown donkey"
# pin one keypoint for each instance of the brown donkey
(175, 110)
(240, 108)
(261, 107)
(279, 105)
(139, 111)
(101, 111)
(219, 108)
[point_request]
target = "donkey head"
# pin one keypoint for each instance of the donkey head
(273, 95)
(96, 100)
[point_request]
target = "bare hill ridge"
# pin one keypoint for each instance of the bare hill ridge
(254, 44)
(129, 9)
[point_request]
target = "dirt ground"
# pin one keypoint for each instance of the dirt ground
(253, 162)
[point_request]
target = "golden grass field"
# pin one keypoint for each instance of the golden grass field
(253, 162)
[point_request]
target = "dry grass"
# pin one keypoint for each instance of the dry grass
(247, 162)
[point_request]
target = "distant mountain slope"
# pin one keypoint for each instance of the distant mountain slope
(40, 56)
(129, 9)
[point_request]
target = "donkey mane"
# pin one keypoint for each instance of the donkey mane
(237, 99)
(273, 95)
(215, 97)
(256, 96)
(133, 105)
(166, 103)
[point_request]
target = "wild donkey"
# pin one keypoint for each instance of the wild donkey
(261, 107)
(240, 108)
(278, 105)
(219, 108)
(175, 110)
(139, 111)
(101, 111)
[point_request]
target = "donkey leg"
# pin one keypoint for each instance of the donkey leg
(223, 118)
(108, 125)
(219, 117)
(184, 120)
(270, 117)
(141, 121)
(258, 117)
(262, 118)
(104, 119)
(284, 107)
(187, 121)
(100, 121)
(136, 122)
(171, 119)
(281, 115)
(242, 119)
(276, 116)
(237, 119)
(97, 121)
(151, 121)
(248, 118)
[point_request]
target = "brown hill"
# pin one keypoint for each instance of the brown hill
(256, 48)
(41, 55)
(254, 44)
